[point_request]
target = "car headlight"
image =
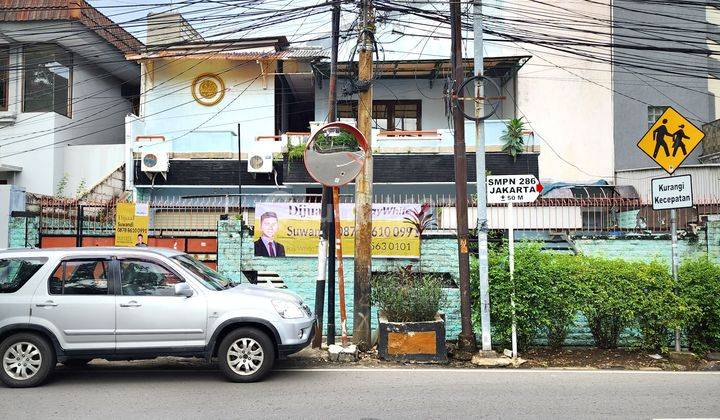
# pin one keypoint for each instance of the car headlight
(288, 309)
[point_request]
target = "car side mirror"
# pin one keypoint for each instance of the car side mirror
(183, 289)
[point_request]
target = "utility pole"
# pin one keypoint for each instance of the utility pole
(480, 181)
(466, 339)
(364, 184)
(327, 210)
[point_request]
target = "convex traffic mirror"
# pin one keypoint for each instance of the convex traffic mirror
(335, 154)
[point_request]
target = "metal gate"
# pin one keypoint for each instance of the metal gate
(76, 223)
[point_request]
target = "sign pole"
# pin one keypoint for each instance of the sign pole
(511, 257)
(674, 256)
(341, 271)
(672, 193)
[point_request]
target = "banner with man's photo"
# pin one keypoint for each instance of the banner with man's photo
(132, 221)
(293, 229)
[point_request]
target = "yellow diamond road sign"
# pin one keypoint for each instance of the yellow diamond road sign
(670, 140)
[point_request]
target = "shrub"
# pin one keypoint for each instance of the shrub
(564, 292)
(611, 298)
(406, 296)
(659, 309)
(613, 294)
(532, 290)
(699, 286)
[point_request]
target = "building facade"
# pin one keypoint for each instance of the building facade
(65, 89)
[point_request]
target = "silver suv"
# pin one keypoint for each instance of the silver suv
(74, 305)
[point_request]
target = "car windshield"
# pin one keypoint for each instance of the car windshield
(209, 277)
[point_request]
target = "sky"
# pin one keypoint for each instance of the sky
(131, 15)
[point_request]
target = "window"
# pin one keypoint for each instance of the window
(208, 277)
(47, 79)
(144, 278)
(387, 115)
(15, 272)
(80, 277)
(4, 77)
(654, 112)
(407, 116)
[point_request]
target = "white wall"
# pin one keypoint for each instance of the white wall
(39, 139)
(170, 110)
(567, 101)
(91, 164)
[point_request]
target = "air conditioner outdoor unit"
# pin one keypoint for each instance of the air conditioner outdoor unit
(260, 160)
(154, 162)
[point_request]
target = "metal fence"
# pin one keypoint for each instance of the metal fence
(198, 215)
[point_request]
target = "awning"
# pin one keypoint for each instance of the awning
(496, 67)
(4, 167)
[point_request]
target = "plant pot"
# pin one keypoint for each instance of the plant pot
(412, 341)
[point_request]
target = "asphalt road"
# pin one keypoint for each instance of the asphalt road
(179, 392)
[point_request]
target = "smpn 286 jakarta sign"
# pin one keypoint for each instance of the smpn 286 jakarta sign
(512, 189)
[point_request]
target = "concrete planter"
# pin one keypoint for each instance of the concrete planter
(412, 341)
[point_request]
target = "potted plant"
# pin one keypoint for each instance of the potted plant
(411, 327)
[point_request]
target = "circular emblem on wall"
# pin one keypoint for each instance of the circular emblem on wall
(208, 89)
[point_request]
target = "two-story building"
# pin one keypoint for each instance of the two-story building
(65, 88)
(199, 96)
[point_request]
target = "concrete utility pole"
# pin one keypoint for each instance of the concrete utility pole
(364, 184)
(466, 340)
(480, 181)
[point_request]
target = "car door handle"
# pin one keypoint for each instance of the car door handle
(46, 304)
(131, 304)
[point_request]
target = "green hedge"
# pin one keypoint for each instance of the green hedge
(699, 284)
(613, 294)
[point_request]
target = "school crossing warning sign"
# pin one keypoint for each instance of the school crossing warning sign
(670, 140)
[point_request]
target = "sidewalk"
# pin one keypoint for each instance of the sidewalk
(537, 358)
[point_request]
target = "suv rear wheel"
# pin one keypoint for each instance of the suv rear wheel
(27, 360)
(246, 355)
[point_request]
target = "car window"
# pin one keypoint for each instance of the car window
(80, 277)
(208, 277)
(15, 272)
(145, 278)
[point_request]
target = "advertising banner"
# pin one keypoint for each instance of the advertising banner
(131, 224)
(293, 229)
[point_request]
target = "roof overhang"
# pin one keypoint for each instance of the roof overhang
(496, 67)
(245, 49)
(76, 38)
(4, 167)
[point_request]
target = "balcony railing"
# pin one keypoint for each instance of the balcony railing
(383, 141)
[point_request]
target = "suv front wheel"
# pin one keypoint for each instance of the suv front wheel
(246, 355)
(27, 360)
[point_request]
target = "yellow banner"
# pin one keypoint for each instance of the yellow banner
(293, 229)
(131, 224)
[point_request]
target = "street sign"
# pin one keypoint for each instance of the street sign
(674, 192)
(670, 140)
(512, 189)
